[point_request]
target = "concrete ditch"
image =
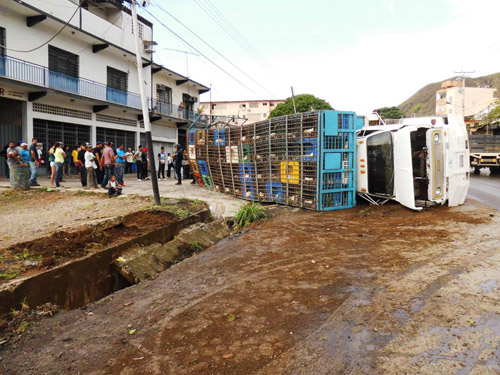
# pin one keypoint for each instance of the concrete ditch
(86, 279)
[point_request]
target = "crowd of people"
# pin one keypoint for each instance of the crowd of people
(103, 166)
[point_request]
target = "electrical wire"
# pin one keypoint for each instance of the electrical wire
(213, 49)
(220, 23)
(48, 41)
(235, 31)
(201, 53)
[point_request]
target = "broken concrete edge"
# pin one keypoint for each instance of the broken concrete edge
(139, 264)
(87, 279)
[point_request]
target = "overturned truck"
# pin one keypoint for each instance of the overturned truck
(320, 160)
(305, 160)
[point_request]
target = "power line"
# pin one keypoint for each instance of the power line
(201, 53)
(227, 29)
(233, 28)
(213, 49)
(48, 41)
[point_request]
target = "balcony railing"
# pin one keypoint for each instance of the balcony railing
(24, 71)
(167, 109)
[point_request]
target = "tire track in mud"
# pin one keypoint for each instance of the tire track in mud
(349, 343)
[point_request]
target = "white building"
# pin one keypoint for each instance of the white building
(82, 85)
(450, 99)
(252, 110)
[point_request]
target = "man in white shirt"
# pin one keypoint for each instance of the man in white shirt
(90, 166)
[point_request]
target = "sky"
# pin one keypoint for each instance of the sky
(356, 54)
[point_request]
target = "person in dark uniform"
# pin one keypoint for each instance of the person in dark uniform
(178, 163)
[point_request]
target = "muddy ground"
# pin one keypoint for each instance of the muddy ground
(33, 214)
(371, 290)
(44, 229)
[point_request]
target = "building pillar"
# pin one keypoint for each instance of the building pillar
(93, 131)
(27, 121)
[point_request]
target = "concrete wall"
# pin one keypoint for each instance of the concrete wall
(252, 110)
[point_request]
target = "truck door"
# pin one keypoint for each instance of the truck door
(403, 168)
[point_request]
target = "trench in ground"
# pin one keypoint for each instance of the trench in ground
(74, 268)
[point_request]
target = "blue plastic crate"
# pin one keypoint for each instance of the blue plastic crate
(336, 187)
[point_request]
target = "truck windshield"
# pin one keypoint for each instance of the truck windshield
(380, 165)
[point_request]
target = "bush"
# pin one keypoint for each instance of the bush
(249, 213)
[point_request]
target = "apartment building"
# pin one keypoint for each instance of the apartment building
(449, 99)
(251, 110)
(81, 84)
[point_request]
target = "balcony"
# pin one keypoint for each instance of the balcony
(23, 71)
(170, 110)
(26, 72)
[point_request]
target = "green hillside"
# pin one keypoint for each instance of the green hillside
(426, 96)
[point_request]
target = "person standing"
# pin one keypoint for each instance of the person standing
(33, 163)
(129, 161)
(74, 156)
(98, 160)
(67, 162)
(120, 165)
(59, 156)
(81, 164)
(138, 162)
(170, 162)
(178, 164)
(90, 166)
(52, 165)
(108, 161)
(161, 163)
(185, 165)
(24, 153)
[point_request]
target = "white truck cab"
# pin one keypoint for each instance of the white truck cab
(419, 162)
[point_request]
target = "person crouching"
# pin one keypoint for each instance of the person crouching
(113, 189)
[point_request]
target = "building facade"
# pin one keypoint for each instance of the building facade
(68, 73)
(251, 110)
(449, 99)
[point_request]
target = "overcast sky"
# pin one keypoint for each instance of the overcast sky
(356, 54)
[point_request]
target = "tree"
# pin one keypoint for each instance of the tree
(493, 116)
(390, 112)
(304, 103)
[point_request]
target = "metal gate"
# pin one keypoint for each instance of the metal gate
(47, 132)
(11, 113)
(118, 137)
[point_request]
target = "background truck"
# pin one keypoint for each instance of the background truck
(485, 152)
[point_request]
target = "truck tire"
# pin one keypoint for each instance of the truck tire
(494, 170)
(477, 171)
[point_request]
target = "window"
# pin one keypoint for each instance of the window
(117, 79)
(264, 104)
(220, 106)
(272, 104)
(164, 94)
(63, 62)
(2, 41)
(117, 86)
(243, 106)
(141, 29)
(380, 165)
(254, 105)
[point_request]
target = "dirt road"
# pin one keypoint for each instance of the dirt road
(372, 290)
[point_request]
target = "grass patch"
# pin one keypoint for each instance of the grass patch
(197, 202)
(181, 213)
(195, 245)
(249, 213)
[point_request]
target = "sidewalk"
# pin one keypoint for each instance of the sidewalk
(221, 205)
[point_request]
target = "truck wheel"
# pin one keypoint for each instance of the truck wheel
(494, 170)
(477, 171)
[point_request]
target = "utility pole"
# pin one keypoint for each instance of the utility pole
(463, 76)
(144, 102)
(293, 101)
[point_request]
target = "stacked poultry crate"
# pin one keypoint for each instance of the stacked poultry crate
(305, 160)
